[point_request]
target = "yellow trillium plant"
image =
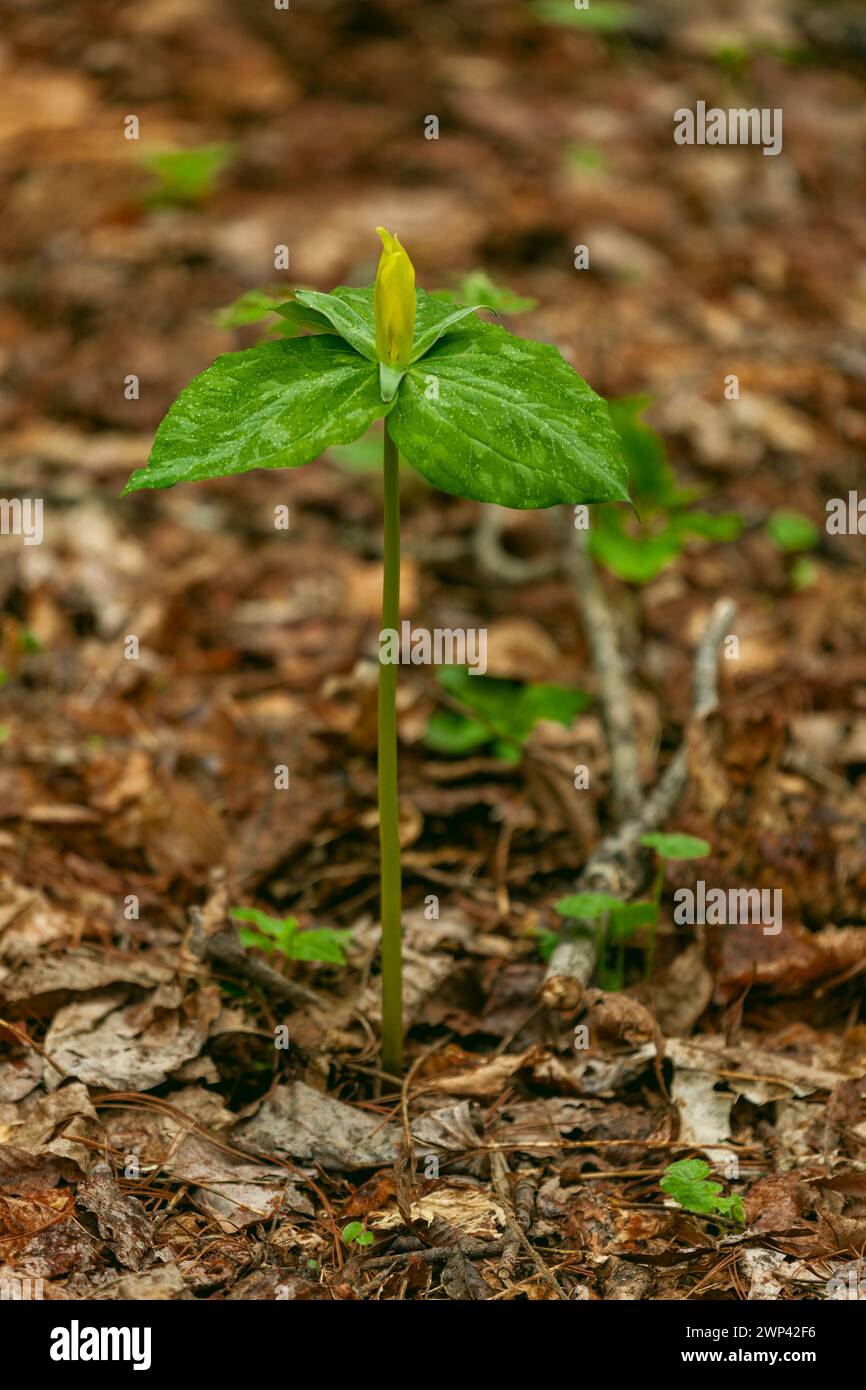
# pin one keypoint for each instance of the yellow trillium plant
(479, 412)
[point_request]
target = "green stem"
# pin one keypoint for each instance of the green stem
(657, 899)
(389, 817)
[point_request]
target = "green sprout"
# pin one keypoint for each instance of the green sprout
(356, 1234)
(686, 1181)
(602, 16)
(502, 713)
(283, 935)
(615, 922)
(668, 847)
(478, 412)
(186, 177)
(638, 547)
(794, 534)
(477, 288)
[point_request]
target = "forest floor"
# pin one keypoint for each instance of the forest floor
(154, 1141)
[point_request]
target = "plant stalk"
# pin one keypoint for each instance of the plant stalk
(658, 884)
(389, 816)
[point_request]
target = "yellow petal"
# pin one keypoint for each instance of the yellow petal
(394, 302)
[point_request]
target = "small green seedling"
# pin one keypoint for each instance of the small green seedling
(792, 531)
(356, 1234)
(253, 306)
(668, 847)
(477, 412)
(602, 16)
(186, 177)
(477, 288)
(795, 534)
(686, 1181)
(323, 944)
(616, 923)
(500, 713)
(637, 547)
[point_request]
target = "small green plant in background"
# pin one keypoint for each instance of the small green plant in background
(794, 533)
(477, 288)
(638, 547)
(687, 1182)
(601, 16)
(479, 413)
(586, 159)
(356, 1234)
(252, 307)
(668, 847)
(284, 936)
(500, 714)
(615, 922)
(185, 177)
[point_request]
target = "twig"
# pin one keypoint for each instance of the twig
(616, 866)
(492, 557)
(515, 1218)
(615, 693)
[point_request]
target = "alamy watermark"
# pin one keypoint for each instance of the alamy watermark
(77, 1343)
(846, 517)
(718, 907)
(737, 126)
(22, 516)
(444, 646)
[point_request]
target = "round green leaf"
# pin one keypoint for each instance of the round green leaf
(676, 846)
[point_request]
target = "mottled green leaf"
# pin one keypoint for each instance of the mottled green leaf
(496, 418)
(349, 311)
(273, 406)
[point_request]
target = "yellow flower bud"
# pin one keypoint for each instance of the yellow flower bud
(394, 303)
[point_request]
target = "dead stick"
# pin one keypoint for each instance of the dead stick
(614, 690)
(616, 866)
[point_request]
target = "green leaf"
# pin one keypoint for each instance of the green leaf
(434, 330)
(604, 16)
(301, 317)
(355, 1234)
(187, 176)
(804, 573)
(547, 942)
(652, 479)
(477, 288)
(323, 944)
(512, 424)
(636, 559)
(349, 309)
(792, 531)
(676, 846)
(587, 907)
(455, 734)
(278, 405)
(715, 526)
(629, 917)
(251, 307)
(508, 712)
(686, 1182)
